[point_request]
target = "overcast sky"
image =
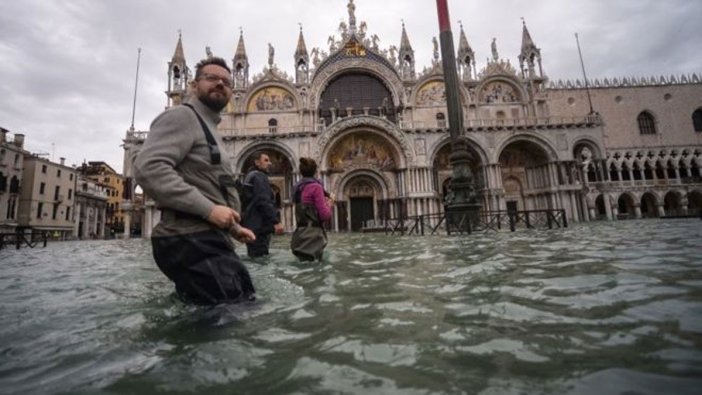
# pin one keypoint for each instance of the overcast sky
(68, 67)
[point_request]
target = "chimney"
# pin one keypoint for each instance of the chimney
(63, 161)
(19, 139)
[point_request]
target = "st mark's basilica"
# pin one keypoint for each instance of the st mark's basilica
(377, 125)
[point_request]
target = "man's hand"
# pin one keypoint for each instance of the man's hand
(241, 234)
(223, 217)
(278, 228)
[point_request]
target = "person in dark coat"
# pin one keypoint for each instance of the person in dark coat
(261, 216)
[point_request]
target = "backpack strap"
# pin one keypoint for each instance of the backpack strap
(215, 156)
(224, 180)
(297, 194)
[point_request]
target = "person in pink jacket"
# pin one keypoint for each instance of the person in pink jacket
(313, 207)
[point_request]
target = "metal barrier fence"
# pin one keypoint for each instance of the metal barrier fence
(31, 240)
(467, 222)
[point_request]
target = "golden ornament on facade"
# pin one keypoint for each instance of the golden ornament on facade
(354, 49)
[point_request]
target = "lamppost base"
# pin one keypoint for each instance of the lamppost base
(462, 217)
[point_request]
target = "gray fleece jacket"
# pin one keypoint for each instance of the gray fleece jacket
(174, 168)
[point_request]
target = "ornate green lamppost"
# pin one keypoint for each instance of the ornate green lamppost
(462, 198)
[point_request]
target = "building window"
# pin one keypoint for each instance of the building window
(11, 203)
(42, 186)
(441, 120)
(58, 173)
(697, 120)
(16, 159)
(68, 213)
(40, 208)
(70, 177)
(3, 182)
(14, 185)
(647, 124)
(55, 211)
(272, 125)
(70, 193)
(43, 169)
(56, 193)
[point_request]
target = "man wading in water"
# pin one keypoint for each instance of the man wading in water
(183, 169)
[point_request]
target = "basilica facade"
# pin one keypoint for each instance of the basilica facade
(610, 149)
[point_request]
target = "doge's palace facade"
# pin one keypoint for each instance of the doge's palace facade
(378, 129)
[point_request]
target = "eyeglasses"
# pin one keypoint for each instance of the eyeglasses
(213, 78)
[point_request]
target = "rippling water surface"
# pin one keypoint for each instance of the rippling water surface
(606, 308)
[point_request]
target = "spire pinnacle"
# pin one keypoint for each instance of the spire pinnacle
(463, 45)
(301, 49)
(240, 47)
(404, 41)
(527, 42)
(179, 54)
(530, 55)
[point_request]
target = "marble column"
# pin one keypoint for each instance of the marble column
(608, 206)
(76, 214)
(661, 210)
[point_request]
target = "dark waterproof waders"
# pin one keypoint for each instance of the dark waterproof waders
(204, 267)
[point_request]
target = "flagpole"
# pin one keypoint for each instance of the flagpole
(582, 65)
(136, 84)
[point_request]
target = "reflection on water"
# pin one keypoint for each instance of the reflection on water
(595, 309)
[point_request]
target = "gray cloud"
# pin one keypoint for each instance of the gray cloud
(68, 67)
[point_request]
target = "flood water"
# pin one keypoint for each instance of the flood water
(602, 308)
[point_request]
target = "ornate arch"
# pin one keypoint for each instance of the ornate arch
(531, 137)
(597, 150)
(678, 192)
(430, 79)
(255, 146)
(657, 194)
(341, 183)
(473, 143)
(386, 75)
(635, 196)
(346, 125)
(506, 79)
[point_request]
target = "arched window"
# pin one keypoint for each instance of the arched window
(351, 93)
(647, 124)
(697, 120)
(440, 120)
(272, 125)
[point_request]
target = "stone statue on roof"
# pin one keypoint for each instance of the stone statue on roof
(493, 46)
(271, 55)
(352, 13)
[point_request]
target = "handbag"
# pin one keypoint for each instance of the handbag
(308, 242)
(309, 238)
